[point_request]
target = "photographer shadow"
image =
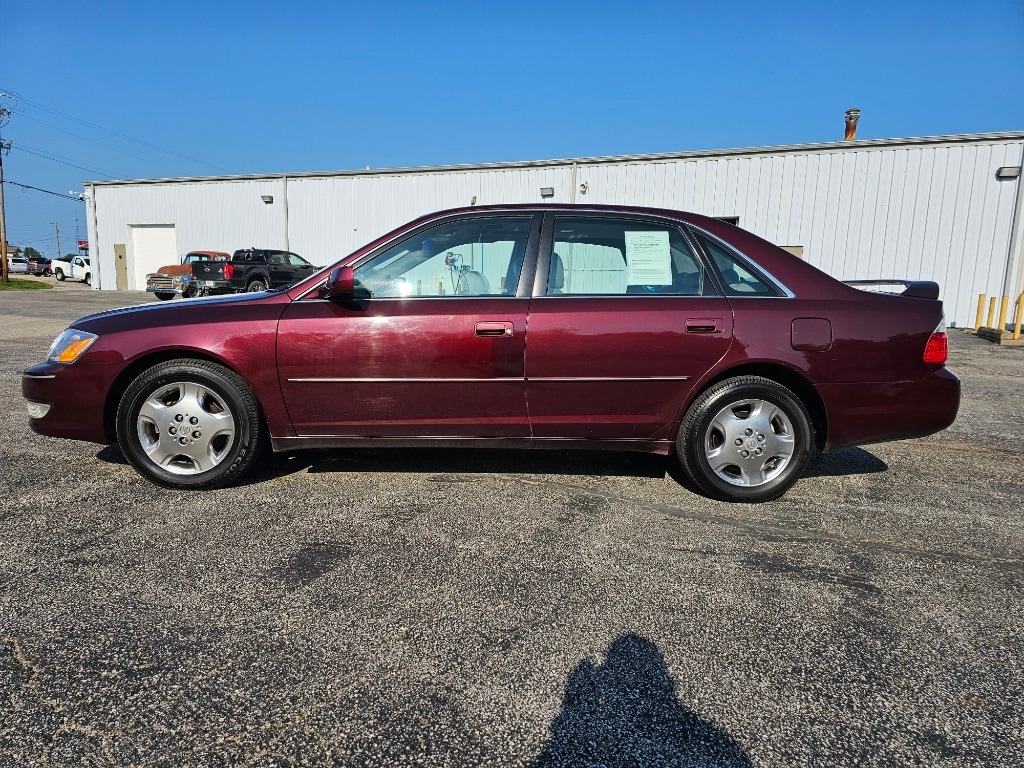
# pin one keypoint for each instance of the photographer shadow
(625, 712)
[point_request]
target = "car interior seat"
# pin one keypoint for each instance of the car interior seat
(730, 278)
(686, 284)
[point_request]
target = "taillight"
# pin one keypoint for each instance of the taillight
(229, 271)
(936, 349)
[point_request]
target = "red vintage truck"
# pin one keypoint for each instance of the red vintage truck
(176, 279)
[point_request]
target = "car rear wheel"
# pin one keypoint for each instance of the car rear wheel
(257, 285)
(190, 424)
(164, 296)
(190, 292)
(745, 439)
(60, 274)
(87, 279)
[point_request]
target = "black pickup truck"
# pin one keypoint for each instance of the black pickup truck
(250, 269)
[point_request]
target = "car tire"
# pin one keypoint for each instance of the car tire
(47, 273)
(190, 424)
(164, 296)
(256, 285)
(87, 279)
(59, 273)
(190, 292)
(745, 439)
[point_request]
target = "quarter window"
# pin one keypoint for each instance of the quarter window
(475, 257)
(601, 257)
(737, 278)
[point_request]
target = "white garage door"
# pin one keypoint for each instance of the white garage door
(153, 246)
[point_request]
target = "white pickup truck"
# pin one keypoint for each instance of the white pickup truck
(76, 269)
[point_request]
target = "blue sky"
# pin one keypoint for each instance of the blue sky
(254, 87)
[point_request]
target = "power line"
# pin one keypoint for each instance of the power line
(99, 144)
(112, 133)
(23, 148)
(37, 189)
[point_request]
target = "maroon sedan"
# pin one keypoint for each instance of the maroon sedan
(516, 326)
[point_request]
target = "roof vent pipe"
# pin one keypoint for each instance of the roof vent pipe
(852, 116)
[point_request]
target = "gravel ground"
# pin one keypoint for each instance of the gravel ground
(454, 608)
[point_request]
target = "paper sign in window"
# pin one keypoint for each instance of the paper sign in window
(648, 260)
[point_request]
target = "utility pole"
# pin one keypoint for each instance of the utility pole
(5, 146)
(56, 227)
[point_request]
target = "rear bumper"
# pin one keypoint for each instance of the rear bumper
(213, 287)
(861, 413)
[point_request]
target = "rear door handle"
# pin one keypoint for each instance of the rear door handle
(704, 325)
(494, 328)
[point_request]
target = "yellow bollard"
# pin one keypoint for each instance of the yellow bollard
(981, 311)
(1003, 305)
(991, 313)
(1019, 318)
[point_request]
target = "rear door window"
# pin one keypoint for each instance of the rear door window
(595, 256)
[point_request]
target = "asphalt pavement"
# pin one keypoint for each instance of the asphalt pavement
(542, 608)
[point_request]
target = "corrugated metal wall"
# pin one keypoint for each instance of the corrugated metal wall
(915, 210)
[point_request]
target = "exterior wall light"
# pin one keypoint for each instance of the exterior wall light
(268, 199)
(1008, 172)
(547, 191)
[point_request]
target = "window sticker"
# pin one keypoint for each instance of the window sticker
(648, 259)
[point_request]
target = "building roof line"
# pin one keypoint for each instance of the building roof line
(861, 144)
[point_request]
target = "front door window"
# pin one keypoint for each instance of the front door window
(475, 257)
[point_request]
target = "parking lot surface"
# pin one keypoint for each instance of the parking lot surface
(453, 607)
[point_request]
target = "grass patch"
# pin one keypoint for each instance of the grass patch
(23, 285)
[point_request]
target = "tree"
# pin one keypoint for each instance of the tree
(31, 253)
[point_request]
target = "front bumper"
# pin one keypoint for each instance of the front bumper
(161, 282)
(76, 395)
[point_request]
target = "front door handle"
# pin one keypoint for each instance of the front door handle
(494, 328)
(704, 325)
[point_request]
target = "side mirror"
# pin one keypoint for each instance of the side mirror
(341, 284)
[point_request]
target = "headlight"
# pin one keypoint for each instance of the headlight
(69, 346)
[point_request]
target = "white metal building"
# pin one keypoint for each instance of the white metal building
(935, 208)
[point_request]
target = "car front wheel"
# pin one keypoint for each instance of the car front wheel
(745, 439)
(190, 424)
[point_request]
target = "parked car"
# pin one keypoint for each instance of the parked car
(40, 266)
(176, 279)
(252, 270)
(17, 265)
(77, 268)
(543, 326)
